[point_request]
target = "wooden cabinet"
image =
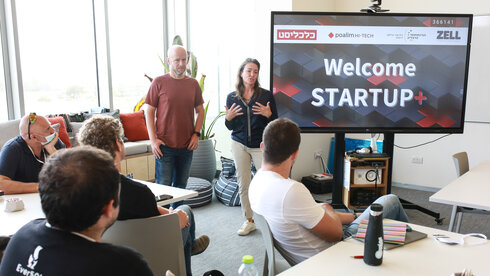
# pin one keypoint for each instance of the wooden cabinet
(142, 166)
(365, 179)
(151, 167)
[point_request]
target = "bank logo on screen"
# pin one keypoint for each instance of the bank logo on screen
(296, 35)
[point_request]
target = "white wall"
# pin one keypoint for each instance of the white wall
(437, 169)
(310, 143)
(258, 31)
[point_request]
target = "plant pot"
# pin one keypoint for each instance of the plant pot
(204, 161)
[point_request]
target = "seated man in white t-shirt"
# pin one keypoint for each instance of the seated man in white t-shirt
(300, 225)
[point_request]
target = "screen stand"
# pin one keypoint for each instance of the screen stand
(388, 146)
(338, 167)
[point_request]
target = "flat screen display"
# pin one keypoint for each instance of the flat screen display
(355, 72)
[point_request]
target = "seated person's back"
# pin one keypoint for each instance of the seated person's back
(137, 200)
(290, 212)
(299, 224)
(79, 190)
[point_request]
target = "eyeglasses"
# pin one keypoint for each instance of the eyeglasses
(32, 119)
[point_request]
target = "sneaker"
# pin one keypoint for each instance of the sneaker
(246, 228)
(200, 245)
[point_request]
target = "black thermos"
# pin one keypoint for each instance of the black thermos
(373, 244)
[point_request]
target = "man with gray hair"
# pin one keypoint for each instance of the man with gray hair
(170, 105)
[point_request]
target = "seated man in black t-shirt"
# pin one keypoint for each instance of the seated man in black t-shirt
(137, 200)
(23, 156)
(79, 190)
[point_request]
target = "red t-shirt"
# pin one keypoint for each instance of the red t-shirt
(175, 101)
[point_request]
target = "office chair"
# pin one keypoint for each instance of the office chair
(271, 265)
(158, 239)
(462, 166)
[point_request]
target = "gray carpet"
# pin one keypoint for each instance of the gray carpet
(226, 249)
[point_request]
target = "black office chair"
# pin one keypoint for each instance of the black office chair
(462, 166)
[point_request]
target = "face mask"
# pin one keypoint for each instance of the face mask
(49, 138)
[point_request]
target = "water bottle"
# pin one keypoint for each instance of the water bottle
(373, 244)
(247, 268)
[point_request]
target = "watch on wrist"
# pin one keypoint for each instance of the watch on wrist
(197, 133)
(355, 215)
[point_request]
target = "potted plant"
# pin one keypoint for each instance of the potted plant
(204, 158)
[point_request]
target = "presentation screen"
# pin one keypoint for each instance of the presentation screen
(355, 72)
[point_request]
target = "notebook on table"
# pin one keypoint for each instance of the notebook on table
(395, 234)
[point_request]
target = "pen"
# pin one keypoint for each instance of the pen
(357, 257)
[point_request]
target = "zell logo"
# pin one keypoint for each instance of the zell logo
(296, 34)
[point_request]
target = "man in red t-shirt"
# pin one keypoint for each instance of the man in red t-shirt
(174, 97)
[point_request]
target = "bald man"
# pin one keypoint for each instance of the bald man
(23, 157)
(170, 105)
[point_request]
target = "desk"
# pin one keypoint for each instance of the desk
(469, 190)
(11, 222)
(177, 193)
(423, 257)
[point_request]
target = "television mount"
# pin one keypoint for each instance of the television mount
(375, 8)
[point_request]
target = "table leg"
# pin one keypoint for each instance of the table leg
(453, 217)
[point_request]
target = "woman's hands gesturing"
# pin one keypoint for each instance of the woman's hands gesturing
(264, 110)
(233, 111)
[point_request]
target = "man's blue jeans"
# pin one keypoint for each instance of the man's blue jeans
(188, 237)
(392, 209)
(173, 168)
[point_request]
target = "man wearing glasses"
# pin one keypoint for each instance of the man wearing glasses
(22, 157)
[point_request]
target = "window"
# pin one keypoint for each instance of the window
(56, 42)
(3, 92)
(177, 20)
(221, 43)
(136, 42)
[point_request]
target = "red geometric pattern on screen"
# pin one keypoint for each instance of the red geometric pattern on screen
(431, 118)
(285, 86)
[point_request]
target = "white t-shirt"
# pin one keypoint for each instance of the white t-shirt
(290, 211)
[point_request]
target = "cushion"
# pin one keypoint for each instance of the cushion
(139, 147)
(10, 129)
(204, 192)
(227, 167)
(75, 128)
(227, 191)
(134, 126)
(62, 133)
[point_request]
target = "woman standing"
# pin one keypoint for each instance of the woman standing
(248, 111)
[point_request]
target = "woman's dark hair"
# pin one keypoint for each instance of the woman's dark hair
(240, 87)
(75, 185)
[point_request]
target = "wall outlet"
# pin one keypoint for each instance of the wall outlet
(317, 154)
(417, 160)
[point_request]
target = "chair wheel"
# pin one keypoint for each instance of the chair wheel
(439, 221)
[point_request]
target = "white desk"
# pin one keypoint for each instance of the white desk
(11, 222)
(177, 193)
(423, 257)
(471, 190)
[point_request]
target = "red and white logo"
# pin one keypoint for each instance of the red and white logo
(296, 35)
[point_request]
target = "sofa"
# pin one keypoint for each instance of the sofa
(139, 160)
